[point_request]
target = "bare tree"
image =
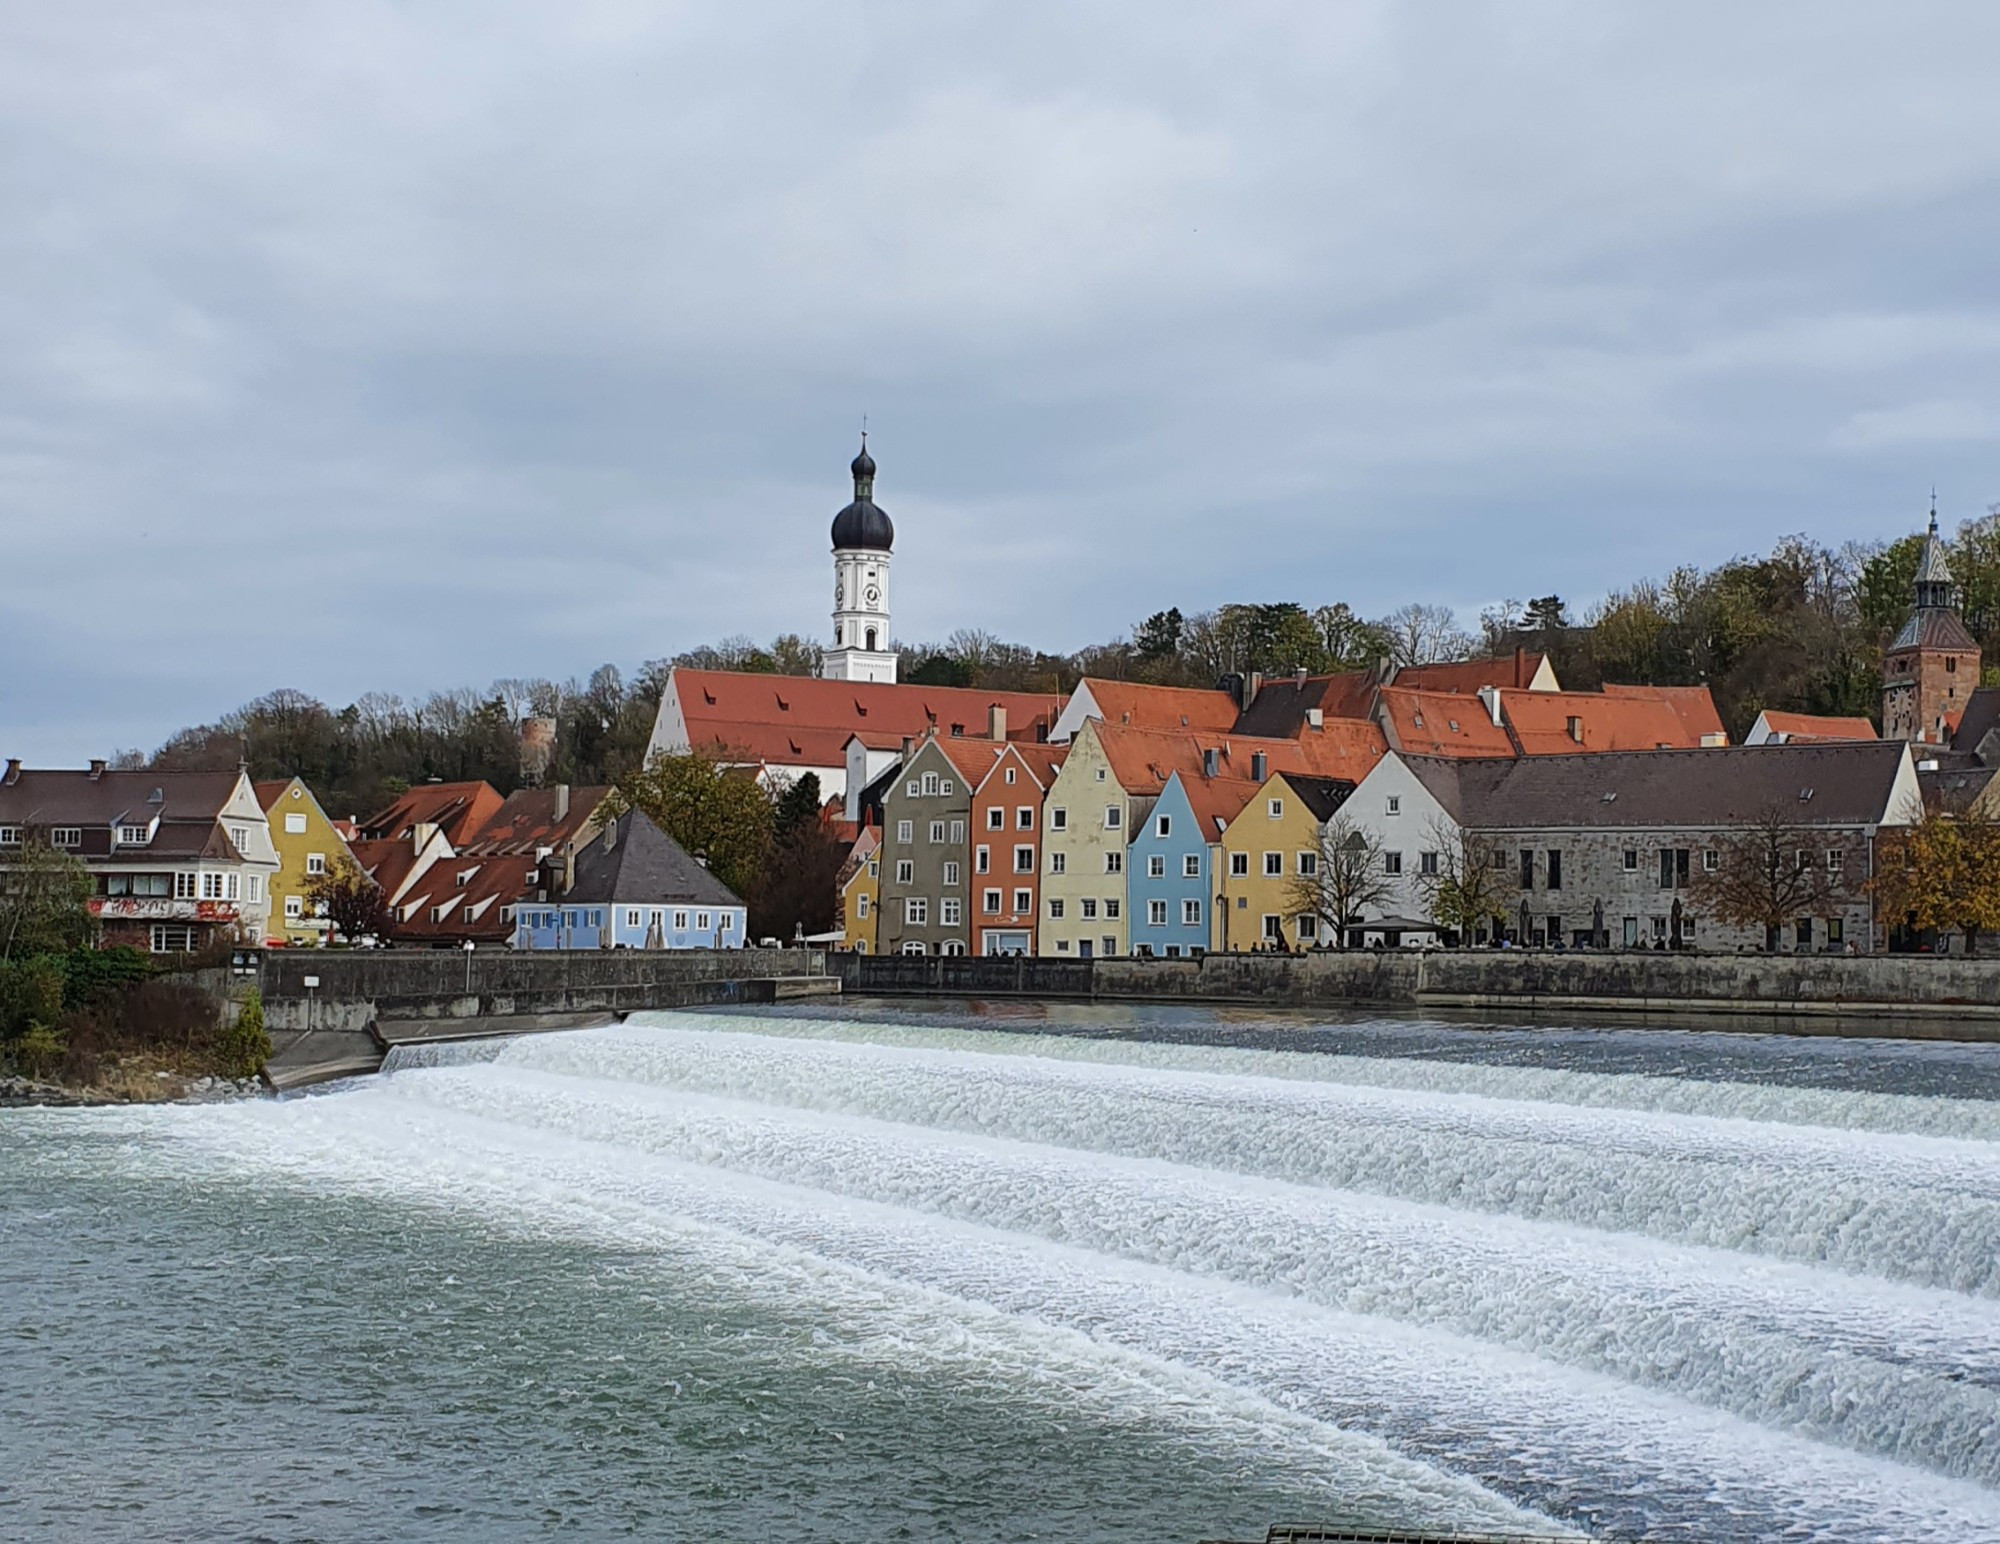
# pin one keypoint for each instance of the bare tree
(1766, 875)
(1347, 878)
(1425, 635)
(1464, 881)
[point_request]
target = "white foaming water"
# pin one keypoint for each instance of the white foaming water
(1653, 1318)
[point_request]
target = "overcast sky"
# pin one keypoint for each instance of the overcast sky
(356, 346)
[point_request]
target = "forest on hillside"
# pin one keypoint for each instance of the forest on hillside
(1802, 627)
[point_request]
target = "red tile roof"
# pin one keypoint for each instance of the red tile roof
(454, 808)
(488, 885)
(1464, 677)
(1442, 724)
(802, 721)
(1040, 762)
(1693, 703)
(388, 861)
(1142, 760)
(528, 819)
(1136, 705)
(1216, 801)
(1811, 727)
(1639, 719)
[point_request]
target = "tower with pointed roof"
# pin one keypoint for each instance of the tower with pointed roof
(862, 538)
(1931, 668)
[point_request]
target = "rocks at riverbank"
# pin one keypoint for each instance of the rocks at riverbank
(17, 1093)
(163, 1088)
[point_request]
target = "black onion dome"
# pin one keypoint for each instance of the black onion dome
(864, 524)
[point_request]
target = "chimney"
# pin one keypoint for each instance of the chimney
(996, 722)
(1316, 718)
(1260, 766)
(13, 772)
(1576, 728)
(1520, 667)
(1253, 683)
(1299, 675)
(562, 801)
(1385, 670)
(1209, 762)
(610, 834)
(96, 768)
(1490, 695)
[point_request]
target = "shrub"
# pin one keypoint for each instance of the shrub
(242, 1049)
(92, 977)
(38, 1050)
(31, 992)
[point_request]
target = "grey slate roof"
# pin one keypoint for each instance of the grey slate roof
(63, 797)
(632, 862)
(1934, 627)
(1850, 785)
(1980, 718)
(1321, 795)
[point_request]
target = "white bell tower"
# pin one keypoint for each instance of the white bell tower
(862, 539)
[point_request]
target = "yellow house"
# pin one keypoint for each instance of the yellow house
(861, 893)
(307, 847)
(1270, 858)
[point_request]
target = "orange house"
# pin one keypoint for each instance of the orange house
(1007, 847)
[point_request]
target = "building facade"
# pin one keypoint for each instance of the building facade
(1088, 820)
(926, 851)
(1171, 892)
(308, 847)
(860, 887)
(1007, 847)
(635, 888)
(1270, 856)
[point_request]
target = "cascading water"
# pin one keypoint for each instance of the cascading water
(1455, 1294)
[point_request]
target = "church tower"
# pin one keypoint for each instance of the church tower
(862, 537)
(1932, 666)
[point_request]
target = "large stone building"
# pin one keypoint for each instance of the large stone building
(1932, 668)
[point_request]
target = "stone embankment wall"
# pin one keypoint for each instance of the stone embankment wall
(1917, 986)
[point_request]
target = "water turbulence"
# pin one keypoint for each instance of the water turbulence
(1457, 1295)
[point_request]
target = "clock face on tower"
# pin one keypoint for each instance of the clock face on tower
(839, 591)
(873, 595)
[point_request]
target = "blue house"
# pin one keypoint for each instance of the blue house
(1170, 869)
(635, 887)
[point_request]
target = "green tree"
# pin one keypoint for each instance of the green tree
(1465, 882)
(1159, 636)
(798, 807)
(243, 1047)
(44, 900)
(716, 812)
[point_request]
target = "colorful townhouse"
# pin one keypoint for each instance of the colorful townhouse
(308, 846)
(1271, 856)
(635, 888)
(1172, 866)
(1007, 847)
(926, 853)
(860, 885)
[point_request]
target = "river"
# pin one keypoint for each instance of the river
(995, 1272)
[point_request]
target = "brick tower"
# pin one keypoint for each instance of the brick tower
(1933, 665)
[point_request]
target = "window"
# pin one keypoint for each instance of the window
(1273, 929)
(1024, 860)
(1308, 926)
(1836, 932)
(1555, 862)
(240, 836)
(937, 832)
(951, 873)
(1112, 908)
(315, 863)
(1394, 804)
(143, 884)
(989, 902)
(1058, 863)
(1274, 865)
(1114, 817)
(1100, 774)
(437, 913)
(1114, 863)
(1392, 863)
(1163, 825)
(1239, 865)
(1308, 864)
(1024, 817)
(1427, 863)
(1089, 910)
(295, 825)
(1024, 901)
(958, 833)
(1156, 914)
(631, 918)
(905, 832)
(1804, 860)
(946, 787)
(211, 887)
(1673, 868)
(728, 921)
(1010, 777)
(1659, 927)
(66, 836)
(982, 860)
(930, 784)
(10, 836)
(1055, 911)
(184, 887)
(256, 887)
(1802, 933)
(1631, 860)
(949, 912)
(1191, 865)
(294, 908)
(996, 818)
(910, 788)
(906, 870)
(172, 940)
(1275, 810)
(132, 836)
(681, 917)
(701, 922)
(916, 911)
(1711, 860)
(1836, 860)
(874, 868)
(1107, 946)
(1631, 931)
(860, 909)
(914, 946)
(1156, 866)
(1527, 868)
(1191, 913)
(1058, 819)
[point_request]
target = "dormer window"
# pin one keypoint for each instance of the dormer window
(66, 836)
(134, 836)
(10, 836)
